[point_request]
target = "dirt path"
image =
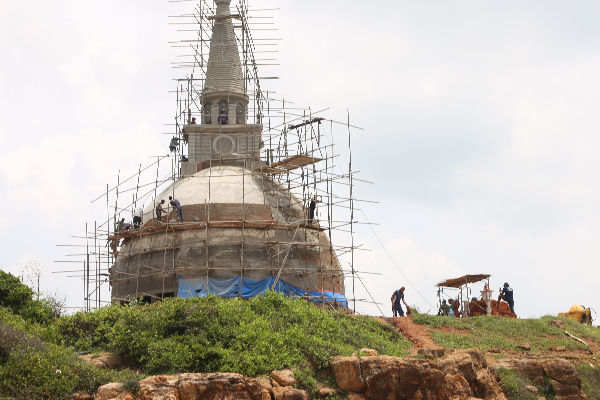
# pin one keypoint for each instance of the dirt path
(419, 335)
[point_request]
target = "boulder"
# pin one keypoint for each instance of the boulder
(434, 353)
(158, 387)
(348, 374)
(325, 392)
(284, 377)
(369, 352)
(265, 387)
(218, 385)
(558, 323)
(109, 391)
(289, 393)
(81, 396)
(264, 382)
(103, 361)
(396, 378)
(465, 363)
(356, 396)
(558, 348)
(564, 379)
(456, 385)
(125, 395)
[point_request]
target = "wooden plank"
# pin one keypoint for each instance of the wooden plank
(289, 164)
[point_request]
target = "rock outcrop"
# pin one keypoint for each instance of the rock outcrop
(217, 386)
(561, 373)
(460, 374)
(103, 360)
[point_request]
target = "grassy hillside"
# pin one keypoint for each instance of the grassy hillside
(183, 335)
(488, 332)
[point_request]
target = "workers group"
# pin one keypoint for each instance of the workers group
(176, 206)
(121, 225)
(450, 307)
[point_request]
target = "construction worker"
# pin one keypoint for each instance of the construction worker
(120, 225)
(444, 309)
(159, 210)
(506, 294)
(193, 121)
(396, 307)
(455, 304)
(177, 206)
(312, 207)
(223, 117)
(137, 218)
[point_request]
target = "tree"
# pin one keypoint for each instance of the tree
(13, 294)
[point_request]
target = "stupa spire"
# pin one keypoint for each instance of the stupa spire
(224, 70)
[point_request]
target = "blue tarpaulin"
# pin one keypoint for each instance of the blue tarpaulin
(199, 286)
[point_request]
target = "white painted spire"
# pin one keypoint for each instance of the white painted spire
(224, 71)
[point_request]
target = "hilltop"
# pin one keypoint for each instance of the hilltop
(319, 348)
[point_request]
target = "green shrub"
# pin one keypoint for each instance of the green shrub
(213, 334)
(30, 369)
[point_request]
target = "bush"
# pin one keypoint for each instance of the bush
(213, 334)
(30, 369)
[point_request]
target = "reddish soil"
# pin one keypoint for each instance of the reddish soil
(419, 335)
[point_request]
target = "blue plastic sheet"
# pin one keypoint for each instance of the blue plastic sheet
(200, 286)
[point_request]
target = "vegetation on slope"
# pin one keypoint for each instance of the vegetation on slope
(489, 332)
(514, 386)
(31, 368)
(212, 334)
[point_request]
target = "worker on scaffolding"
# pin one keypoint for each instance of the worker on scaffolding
(193, 121)
(312, 206)
(506, 294)
(177, 206)
(223, 117)
(159, 210)
(396, 307)
(119, 226)
(137, 218)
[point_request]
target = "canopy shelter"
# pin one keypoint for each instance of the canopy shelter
(463, 280)
(464, 286)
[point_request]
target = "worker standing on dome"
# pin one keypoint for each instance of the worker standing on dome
(396, 307)
(159, 210)
(137, 218)
(506, 294)
(312, 207)
(176, 205)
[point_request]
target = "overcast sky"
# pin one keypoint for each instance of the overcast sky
(480, 131)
